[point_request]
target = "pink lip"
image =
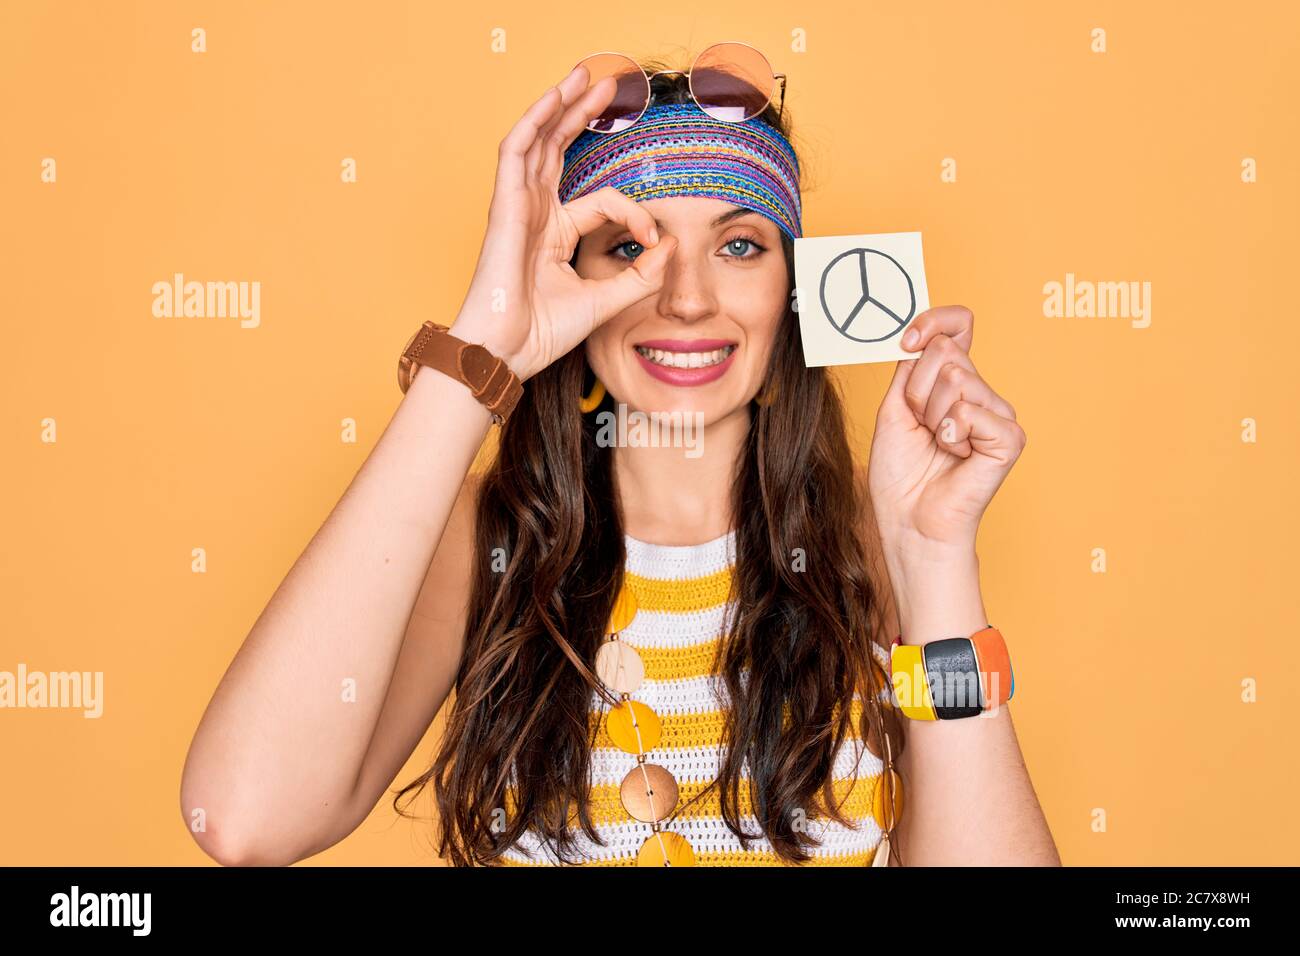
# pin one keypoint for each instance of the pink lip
(686, 376)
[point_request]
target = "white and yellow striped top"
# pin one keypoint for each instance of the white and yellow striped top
(682, 594)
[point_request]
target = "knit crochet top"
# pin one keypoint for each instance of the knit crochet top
(682, 595)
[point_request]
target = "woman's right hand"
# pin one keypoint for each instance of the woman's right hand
(525, 303)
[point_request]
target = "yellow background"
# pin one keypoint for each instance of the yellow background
(182, 433)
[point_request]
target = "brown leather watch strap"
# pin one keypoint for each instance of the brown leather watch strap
(488, 377)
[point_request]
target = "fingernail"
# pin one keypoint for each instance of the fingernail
(654, 235)
(910, 338)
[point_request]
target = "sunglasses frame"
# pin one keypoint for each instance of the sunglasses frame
(777, 78)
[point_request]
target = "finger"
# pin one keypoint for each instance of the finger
(894, 407)
(571, 88)
(955, 321)
(588, 106)
(939, 352)
(957, 383)
(608, 204)
(973, 431)
(514, 147)
(643, 277)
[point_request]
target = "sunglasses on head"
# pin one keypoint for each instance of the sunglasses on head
(731, 81)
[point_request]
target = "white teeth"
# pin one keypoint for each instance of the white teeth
(686, 359)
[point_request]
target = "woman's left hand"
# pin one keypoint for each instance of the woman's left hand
(944, 441)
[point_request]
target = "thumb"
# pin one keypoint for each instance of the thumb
(631, 285)
(894, 407)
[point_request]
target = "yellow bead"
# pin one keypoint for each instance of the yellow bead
(878, 801)
(633, 727)
(679, 852)
(624, 611)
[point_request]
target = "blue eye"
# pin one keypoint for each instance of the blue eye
(630, 242)
(745, 243)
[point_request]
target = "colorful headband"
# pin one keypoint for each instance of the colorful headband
(677, 149)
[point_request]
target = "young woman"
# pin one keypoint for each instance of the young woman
(659, 657)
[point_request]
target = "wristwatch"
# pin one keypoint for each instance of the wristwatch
(488, 377)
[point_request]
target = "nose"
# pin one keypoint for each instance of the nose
(687, 294)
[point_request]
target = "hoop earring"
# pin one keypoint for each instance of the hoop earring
(589, 402)
(766, 395)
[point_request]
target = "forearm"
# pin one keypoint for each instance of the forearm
(970, 801)
(280, 746)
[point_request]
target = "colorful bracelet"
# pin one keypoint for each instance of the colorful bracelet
(952, 678)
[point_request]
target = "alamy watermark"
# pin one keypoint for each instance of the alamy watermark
(208, 300)
(634, 429)
(78, 908)
(82, 690)
(1084, 299)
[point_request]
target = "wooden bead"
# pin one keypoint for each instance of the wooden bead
(624, 610)
(649, 792)
(620, 666)
(633, 727)
(878, 806)
(881, 856)
(679, 852)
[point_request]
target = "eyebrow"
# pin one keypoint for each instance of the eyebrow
(735, 212)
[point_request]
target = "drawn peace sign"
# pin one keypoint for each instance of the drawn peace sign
(867, 295)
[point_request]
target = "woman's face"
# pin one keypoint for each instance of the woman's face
(702, 342)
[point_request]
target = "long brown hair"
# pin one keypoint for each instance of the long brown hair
(549, 563)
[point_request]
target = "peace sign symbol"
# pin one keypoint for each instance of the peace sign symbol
(873, 298)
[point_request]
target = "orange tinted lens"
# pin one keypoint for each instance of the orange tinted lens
(732, 82)
(630, 96)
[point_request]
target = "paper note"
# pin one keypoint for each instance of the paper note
(857, 295)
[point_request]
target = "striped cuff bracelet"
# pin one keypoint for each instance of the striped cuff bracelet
(952, 678)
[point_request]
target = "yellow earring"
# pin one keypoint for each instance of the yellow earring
(588, 403)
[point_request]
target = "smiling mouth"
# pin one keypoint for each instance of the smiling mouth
(685, 359)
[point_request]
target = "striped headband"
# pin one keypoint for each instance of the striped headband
(677, 149)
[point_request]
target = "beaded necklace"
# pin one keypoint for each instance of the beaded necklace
(649, 792)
